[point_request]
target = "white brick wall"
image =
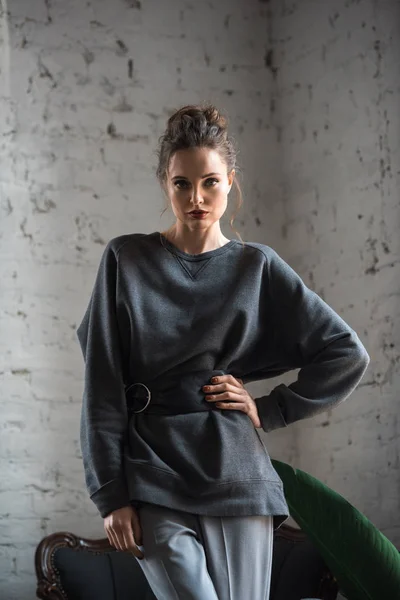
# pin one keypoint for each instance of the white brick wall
(337, 90)
(85, 90)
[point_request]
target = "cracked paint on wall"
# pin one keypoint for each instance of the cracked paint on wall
(85, 92)
(336, 102)
(312, 92)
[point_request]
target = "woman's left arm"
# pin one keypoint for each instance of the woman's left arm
(310, 335)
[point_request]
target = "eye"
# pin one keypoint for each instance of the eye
(182, 183)
(178, 183)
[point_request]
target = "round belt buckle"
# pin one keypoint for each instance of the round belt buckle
(148, 394)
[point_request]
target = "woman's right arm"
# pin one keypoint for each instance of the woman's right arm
(104, 419)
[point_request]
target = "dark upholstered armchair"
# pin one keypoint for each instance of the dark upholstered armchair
(69, 567)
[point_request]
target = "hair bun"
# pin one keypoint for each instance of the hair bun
(201, 115)
(215, 117)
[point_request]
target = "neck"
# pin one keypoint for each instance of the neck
(195, 242)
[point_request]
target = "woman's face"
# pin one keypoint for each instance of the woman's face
(197, 179)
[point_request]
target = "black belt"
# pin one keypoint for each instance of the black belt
(171, 395)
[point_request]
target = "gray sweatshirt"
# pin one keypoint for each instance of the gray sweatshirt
(168, 321)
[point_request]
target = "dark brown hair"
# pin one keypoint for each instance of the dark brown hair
(201, 126)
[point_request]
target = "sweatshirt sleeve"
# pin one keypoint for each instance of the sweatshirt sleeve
(308, 335)
(104, 418)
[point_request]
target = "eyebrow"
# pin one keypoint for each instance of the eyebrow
(202, 177)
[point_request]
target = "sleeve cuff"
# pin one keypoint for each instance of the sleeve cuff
(270, 411)
(111, 496)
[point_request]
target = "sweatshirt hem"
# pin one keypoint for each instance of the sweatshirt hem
(231, 498)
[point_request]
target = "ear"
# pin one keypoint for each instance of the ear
(164, 188)
(231, 177)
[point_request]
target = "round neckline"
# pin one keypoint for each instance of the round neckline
(201, 255)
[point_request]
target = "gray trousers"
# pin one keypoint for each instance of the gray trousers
(196, 557)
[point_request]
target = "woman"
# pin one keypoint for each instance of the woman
(173, 460)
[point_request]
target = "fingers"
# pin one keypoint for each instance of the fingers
(228, 393)
(119, 529)
(233, 406)
(225, 382)
(137, 552)
(224, 391)
(236, 381)
(123, 541)
(137, 530)
(129, 542)
(113, 539)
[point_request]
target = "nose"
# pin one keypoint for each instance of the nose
(196, 196)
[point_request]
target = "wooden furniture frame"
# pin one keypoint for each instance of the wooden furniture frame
(49, 585)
